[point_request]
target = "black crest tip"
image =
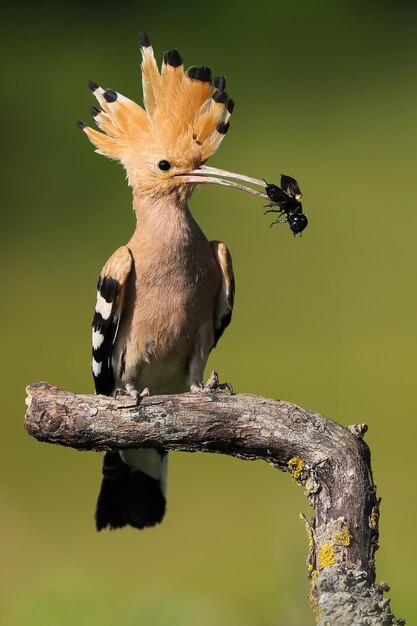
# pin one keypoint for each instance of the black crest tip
(92, 86)
(220, 83)
(144, 39)
(231, 106)
(220, 96)
(173, 58)
(110, 95)
(81, 125)
(223, 127)
(202, 73)
(94, 111)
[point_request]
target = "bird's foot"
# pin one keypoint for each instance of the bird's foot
(197, 387)
(130, 391)
(211, 385)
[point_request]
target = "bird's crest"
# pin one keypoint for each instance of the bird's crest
(184, 118)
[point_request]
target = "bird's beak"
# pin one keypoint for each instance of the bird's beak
(204, 174)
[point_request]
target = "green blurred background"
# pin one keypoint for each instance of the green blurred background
(325, 92)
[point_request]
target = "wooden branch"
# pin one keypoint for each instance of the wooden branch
(330, 461)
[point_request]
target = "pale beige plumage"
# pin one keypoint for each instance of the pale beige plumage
(167, 328)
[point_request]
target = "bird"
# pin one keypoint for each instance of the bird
(164, 298)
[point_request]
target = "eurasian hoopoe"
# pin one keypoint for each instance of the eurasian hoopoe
(165, 298)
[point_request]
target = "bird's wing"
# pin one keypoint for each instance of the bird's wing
(109, 305)
(224, 305)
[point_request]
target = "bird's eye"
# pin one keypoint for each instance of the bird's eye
(164, 165)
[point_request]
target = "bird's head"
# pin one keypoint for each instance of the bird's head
(164, 145)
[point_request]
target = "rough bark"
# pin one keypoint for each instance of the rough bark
(330, 461)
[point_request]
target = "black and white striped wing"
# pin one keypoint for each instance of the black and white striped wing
(225, 300)
(109, 305)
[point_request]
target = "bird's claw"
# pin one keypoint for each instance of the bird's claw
(212, 384)
(130, 391)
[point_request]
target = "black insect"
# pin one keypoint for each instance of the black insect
(287, 198)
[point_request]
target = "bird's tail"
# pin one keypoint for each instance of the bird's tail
(133, 489)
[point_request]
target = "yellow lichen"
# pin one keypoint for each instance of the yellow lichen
(296, 466)
(314, 606)
(308, 531)
(374, 519)
(326, 556)
(313, 578)
(344, 537)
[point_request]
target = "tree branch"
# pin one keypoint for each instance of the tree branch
(330, 461)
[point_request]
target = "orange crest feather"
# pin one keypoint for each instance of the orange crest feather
(184, 117)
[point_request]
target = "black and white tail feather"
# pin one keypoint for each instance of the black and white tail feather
(134, 481)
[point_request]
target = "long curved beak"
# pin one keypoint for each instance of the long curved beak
(204, 174)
